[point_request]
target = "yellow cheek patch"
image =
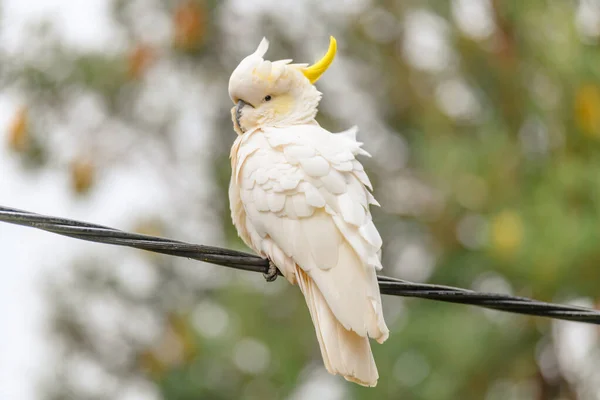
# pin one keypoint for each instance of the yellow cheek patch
(283, 104)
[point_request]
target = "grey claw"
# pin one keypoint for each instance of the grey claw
(271, 275)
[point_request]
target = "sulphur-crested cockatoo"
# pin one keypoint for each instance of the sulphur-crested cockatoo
(299, 197)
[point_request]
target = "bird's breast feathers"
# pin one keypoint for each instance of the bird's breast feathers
(285, 176)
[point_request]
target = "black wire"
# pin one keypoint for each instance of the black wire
(250, 262)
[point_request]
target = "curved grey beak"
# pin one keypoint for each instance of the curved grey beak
(238, 112)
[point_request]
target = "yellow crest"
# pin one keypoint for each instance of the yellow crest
(314, 72)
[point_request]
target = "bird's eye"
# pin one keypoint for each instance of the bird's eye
(268, 97)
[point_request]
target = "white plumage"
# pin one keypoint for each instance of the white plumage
(299, 197)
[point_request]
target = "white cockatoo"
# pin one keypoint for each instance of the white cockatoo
(299, 197)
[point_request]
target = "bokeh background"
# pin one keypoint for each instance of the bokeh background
(483, 118)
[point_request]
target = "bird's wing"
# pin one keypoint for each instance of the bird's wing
(303, 189)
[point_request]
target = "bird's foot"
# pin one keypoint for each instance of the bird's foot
(272, 273)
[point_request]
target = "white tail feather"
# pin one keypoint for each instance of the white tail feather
(344, 352)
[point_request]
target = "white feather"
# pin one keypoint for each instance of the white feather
(363, 178)
(315, 166)
(276, 201)
(357, 166)
(313, 197)
(295, 153)
(351, 210)
(370, 234)
(301, 207)
(289, 182)
(261, 176)
(334, 182)
(350, 133)
(260, 199)
(344, 166)
(323, 239)
(372, 200)
(289, 210)
(342, 156)
(262, 48)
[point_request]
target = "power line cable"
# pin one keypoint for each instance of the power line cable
(249, 262)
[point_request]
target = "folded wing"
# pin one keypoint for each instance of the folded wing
(304, 191)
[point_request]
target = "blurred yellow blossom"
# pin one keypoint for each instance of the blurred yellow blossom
(82, 175)
(18, 137)
(506, 233)
(587, 109)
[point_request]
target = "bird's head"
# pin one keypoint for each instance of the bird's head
(275, 93)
